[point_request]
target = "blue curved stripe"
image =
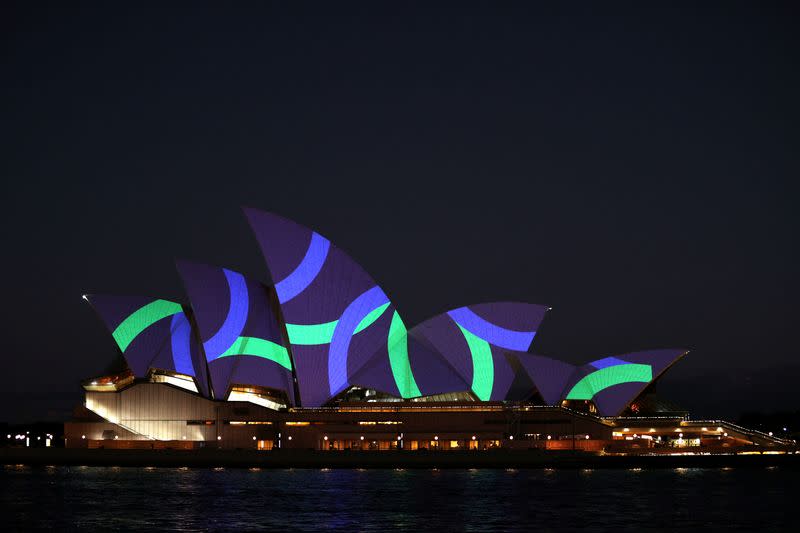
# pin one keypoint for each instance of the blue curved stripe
(362, 306)
(180, 339)
(234, 323)
(302, 276)
(608, 361)
(491, 333)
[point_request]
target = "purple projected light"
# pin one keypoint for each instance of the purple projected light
(474, 340)
(238, 329)
(329, 303)
(613, 383)
(345, 329)
(181, 340)
(152, 334)
(491, 333)
(306, 271)
(235, 320)
(549, 376)
(608, 361)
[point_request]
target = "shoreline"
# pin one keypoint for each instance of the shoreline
(386, 459)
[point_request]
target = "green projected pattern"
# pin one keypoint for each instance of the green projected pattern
(397, 346)
(603, 378)
(300, 334)
(141, 319)
(259, 348)
(373, 315)
(482, 365)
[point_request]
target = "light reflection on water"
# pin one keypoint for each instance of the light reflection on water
(377, 500)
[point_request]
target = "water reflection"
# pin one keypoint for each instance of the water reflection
(369, 500)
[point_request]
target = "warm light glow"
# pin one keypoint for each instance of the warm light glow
(253, 397)
(325, 437)
(219, 438)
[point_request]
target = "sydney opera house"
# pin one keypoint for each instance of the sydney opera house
(319, 358)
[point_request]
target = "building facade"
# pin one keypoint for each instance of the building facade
(319, 358)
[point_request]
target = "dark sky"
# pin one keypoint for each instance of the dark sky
(633, 167)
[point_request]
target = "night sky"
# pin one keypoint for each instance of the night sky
(633, 167)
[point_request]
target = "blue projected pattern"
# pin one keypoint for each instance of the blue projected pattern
(608, 361)
(357, 311)
(181, 339)
(234, 323)
(308, 269)
(492, 333)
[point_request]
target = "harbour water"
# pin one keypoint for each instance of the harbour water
(198, 499)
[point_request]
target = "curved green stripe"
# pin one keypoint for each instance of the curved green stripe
(373, 315)
(601, 379)
(259, 348)
(302, 334)
(397, 345)
(311, 334)
(143, 318)
(482, 365)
